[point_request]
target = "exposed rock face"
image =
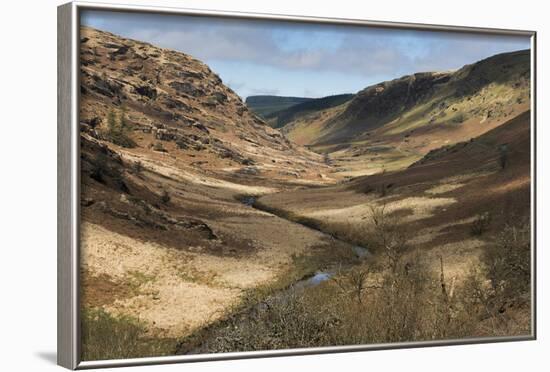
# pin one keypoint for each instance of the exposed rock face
(483, 94)
(390, 98)
(382, 99)
(171, 97)
(147, 91)
(185, 89)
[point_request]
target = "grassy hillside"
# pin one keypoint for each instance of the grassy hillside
(451, 253)
(267, 105)
(280, 118)
(423, 111)
(165, 150)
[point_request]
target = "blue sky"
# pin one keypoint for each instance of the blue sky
(303, 59)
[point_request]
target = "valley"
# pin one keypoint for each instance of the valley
(214, 225)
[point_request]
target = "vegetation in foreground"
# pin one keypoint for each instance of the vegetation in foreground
(397, 297)
(106, 336)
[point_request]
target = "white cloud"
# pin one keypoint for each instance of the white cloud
(367, 53)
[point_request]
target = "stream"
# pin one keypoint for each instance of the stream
(322, 275)
(298, 286)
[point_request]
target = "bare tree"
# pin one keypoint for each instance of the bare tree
(389, 236)
(354, 283)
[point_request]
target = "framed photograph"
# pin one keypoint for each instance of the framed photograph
(235, 185)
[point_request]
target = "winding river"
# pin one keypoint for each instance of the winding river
(322, 275)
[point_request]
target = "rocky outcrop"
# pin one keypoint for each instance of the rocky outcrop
(393, 96)
(146, 91)
(186, 89)
(489, 90)
(167, 96)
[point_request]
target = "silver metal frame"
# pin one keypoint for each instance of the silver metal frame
(68, 192)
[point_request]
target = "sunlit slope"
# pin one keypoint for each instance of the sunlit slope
(266, 105)
(425, 110)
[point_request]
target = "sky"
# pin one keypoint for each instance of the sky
(303, 59)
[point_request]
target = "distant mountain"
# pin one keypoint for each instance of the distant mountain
(280, 118)
(422, 111)
(265, 105)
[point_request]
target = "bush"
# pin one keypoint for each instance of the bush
(360, 306)
(503, 281)
(158, 146)
(400, 297)
(403, 301)
(165, 197)
(122, 140)
(118, 131)
(137, 167)
(102, 172)
(480, 224)
(508, 263)
(503, 156)
(100, 168)
(354, 283)
(388, 236)
(459, 118)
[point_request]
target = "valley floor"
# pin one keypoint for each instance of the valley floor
(184, 280)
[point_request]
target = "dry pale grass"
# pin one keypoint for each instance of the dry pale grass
(442, 189)
(184, 290)
(421, 207)
(512, 185)
(160, 299)
(169, 167)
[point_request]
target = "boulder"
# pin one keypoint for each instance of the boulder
(190, 74)
(93, 122)
(252, 171)
(186, 88)
(120, 51)
(105, 87)
(220, 97)
(146, 91)
(175, 104)
(165, 135)
(87, 202)
(201, 127)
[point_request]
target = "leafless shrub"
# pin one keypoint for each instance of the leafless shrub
(354, 283)
(404, 297)
(508, 264)
(389, 236)
(502, 282)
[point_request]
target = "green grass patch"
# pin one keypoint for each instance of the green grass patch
(106, 336)
(140, 277)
